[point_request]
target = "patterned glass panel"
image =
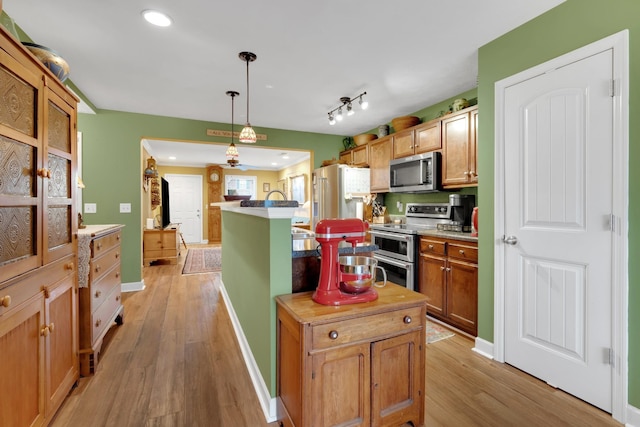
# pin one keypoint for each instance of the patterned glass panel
(60, 181)
(59, 225)
(17, 228)
(17, 166)
(58, 129)
(17, 103)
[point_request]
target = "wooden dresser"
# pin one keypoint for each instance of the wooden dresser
(99, 255)
(38, 246)
(360, 364)
(161, 244)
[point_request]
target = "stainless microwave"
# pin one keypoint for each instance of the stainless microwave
(415, 174)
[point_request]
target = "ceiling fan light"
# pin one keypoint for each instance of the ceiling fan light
(248, 135)
(156, 18)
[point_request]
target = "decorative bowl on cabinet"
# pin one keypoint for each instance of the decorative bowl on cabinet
(50, 59)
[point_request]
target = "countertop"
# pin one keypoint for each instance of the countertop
(449, 235)
(309, 248)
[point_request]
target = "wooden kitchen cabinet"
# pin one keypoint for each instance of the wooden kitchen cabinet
(161, 245)
(358, 156)
(360, 364)
(100, 251)
(417, 139)
(459, 149)
(380, 152)
(448, 277)
(38, 261)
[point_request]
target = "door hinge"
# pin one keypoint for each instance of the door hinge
(313, 375)
(609, 357)
(612, 223)
(614, 88)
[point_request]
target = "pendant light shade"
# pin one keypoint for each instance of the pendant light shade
(232, 151)
(248, 135)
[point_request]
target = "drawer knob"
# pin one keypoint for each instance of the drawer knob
(430, 246)
(98, 293)
(5, 301)
(117, 297)
(68, 266)
(98, 322)
(118, 237)
(461, 252)
(407, 319)
(117, 255)
(333, 335)
(117, 274)
(99, 245)
(98, 268)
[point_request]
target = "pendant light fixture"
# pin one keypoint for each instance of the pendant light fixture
(248, 135)
(232, 151)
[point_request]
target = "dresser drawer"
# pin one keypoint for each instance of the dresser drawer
(100, 265)
(365, 328)
(433, 247)
(24, 287)
(463, 252)
(101, 289)
(101, 319)
(103, 244)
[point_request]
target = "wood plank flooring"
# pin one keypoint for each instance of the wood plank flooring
(175, 362)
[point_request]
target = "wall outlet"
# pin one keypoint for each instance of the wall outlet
(90, 208)
(125, 207)
(399, 206)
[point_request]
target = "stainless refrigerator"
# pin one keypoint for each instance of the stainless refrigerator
(338, 191)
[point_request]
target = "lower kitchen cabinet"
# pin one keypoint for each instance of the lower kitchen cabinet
(356, 365)
(448, 277)
(38, 343)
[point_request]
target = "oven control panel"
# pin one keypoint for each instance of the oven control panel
(428, 210)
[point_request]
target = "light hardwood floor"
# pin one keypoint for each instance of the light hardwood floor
(175, 362)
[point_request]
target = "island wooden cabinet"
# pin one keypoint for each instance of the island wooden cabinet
(99, 250)
(448, 277)
(38, 260)
(380, 152)
(161, 245)
(459, 148)
(359, 365)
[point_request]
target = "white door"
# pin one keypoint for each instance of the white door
(558, 144)
(185, 193)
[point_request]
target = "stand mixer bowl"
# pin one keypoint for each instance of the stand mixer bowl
(358, 273)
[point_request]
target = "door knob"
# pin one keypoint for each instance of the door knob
(510, 240)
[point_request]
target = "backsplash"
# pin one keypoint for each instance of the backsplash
(391, 199)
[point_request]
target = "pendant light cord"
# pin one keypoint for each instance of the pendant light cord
(248, 122)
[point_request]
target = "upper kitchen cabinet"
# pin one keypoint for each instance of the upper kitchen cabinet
(358, 156)
(459, 146)
(380, 152)
(418, 139)
(403, 143)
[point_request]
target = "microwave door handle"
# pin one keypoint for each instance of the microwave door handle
(394, 177)
(424, 169)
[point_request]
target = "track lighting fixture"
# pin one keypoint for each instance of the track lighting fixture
(347, 103)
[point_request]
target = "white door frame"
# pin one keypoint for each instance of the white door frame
(619, 43)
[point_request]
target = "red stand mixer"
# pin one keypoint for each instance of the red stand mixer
(330, 233)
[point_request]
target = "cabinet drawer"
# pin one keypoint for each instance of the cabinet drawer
(104, 263)
(433, 247)
(104, 244)
(365, 328)
(463, 252)
(101, 289)
(102, 317)
(21, 289)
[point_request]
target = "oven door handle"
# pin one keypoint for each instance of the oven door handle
(392, 236)
(393, 262)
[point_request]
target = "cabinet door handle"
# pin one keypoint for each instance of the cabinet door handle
(51, 327)
(448, 269)
(407, 319)
(5, 301)
(333, 335)
(442, 268)
(44, 331)
(98, 293)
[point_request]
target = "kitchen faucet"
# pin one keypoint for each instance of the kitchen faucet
(275, 191)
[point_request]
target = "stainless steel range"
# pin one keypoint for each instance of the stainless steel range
(398, 243)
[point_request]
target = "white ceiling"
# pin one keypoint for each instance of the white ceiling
(406, 55)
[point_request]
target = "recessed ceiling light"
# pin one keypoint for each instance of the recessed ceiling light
(172, 157)
(274, 164)
(156, 18)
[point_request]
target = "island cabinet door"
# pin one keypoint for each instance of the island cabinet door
(340, 387)
(395, 380)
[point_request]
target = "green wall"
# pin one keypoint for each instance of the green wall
(112, 165)
(256, 267)
(569, 26)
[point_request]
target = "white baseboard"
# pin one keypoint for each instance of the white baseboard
(484, 348)
(633, 416)
(132, 286)
(269, 405)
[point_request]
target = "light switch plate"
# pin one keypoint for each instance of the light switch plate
(125, 207)
(90, 208)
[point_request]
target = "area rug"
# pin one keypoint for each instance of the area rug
(436, 332)
(202, 260)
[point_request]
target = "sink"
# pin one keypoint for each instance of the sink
(269, 204)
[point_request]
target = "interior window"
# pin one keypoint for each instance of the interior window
(241, 185)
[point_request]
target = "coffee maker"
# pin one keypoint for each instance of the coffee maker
(461, 209)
